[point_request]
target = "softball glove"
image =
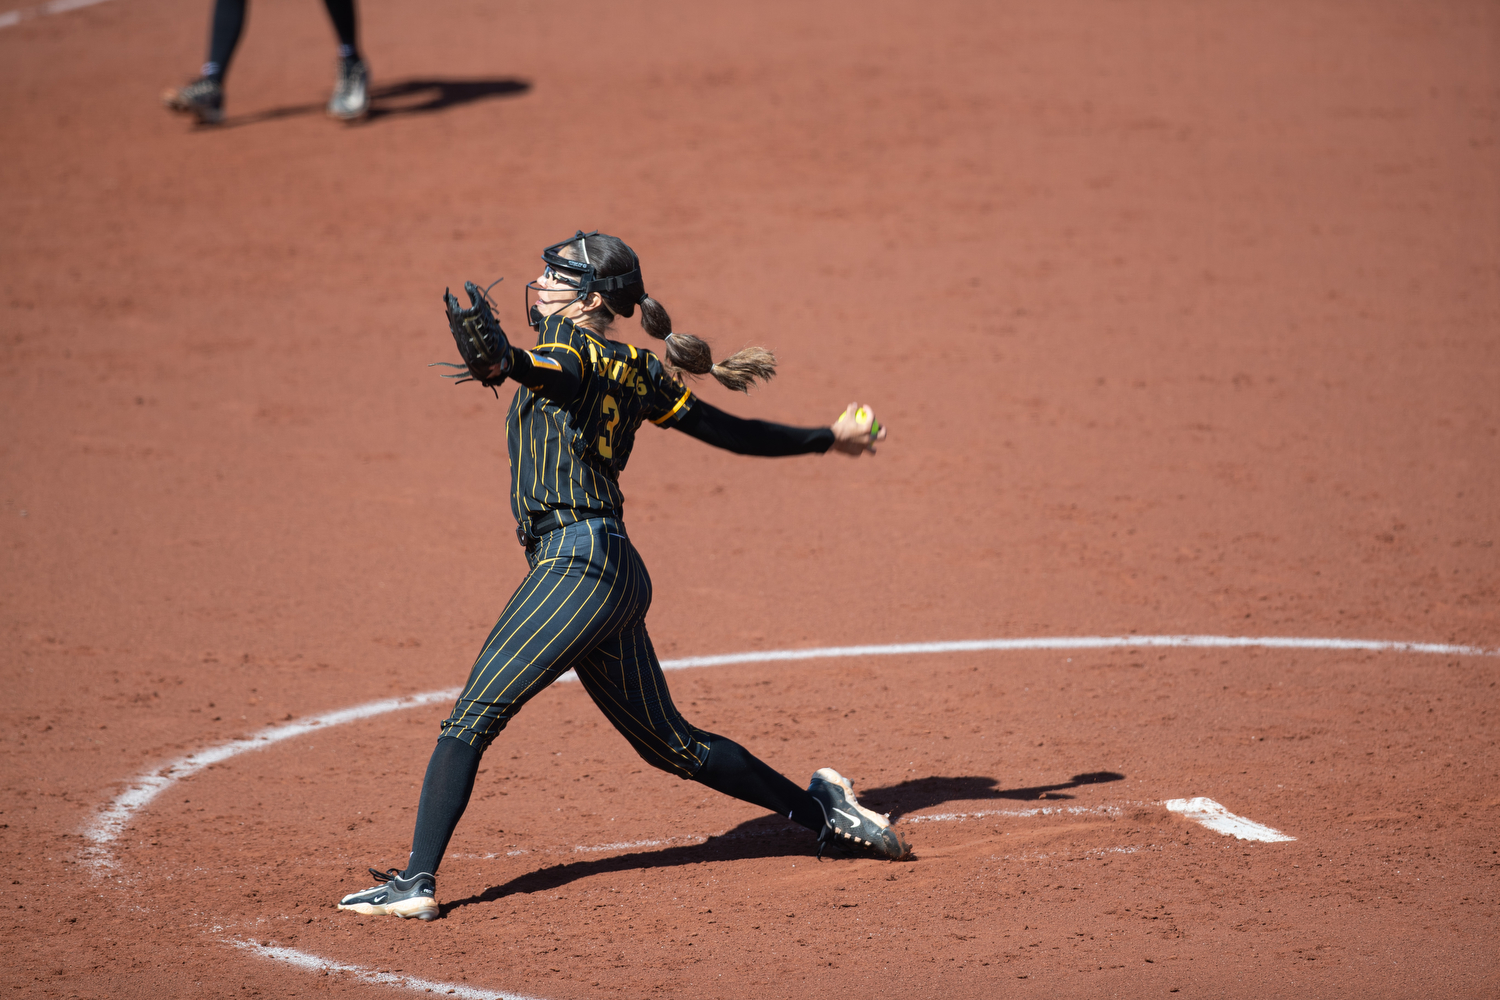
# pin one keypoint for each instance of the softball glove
(481, 342)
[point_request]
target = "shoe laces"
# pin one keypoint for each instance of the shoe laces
(824, 838)
(383, 877)
(826, 834)
(203, 87)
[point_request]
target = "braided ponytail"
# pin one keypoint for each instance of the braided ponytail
(684, 352)
(691, 354)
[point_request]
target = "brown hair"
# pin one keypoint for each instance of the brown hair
(684, 352)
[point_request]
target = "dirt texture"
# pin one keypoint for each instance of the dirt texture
(1183, 318)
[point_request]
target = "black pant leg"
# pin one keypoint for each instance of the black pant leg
(224, 35)
(341, 12)
(445, 796)
(736, 772)
(624, 677)
(580, 592)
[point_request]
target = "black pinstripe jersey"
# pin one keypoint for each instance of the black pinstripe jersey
(567, 457)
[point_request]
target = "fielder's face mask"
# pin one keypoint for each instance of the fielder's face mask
(578, 275)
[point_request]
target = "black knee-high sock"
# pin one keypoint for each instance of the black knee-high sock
(737, 772)
(342, 14)
(224, 35)
(445, 795)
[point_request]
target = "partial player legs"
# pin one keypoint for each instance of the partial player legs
(828, 806)
(585, 587)
(204, 97)
(224, 37)
(736, 772)
(445, 796)
(341, 13)
(350, 100)
(625, 680)
(585, 582)
(351, 87)
(583, 605)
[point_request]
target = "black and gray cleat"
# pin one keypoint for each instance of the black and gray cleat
(403, 897)
(203, 99)
(849, 824)
(351, 91)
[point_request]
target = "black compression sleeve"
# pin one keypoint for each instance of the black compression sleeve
(735, 771)
(224, 33)
(557, 382)
(445, 795)
(712, 425)
(341, 13)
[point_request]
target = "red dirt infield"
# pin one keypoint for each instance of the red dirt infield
(1183, 319)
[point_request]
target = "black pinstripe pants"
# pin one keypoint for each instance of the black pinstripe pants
(582, 606)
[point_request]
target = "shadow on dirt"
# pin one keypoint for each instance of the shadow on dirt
(763, 837)
(922, 793)
(774, 837)
(404, 97)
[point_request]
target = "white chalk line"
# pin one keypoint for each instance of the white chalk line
(11, 18)
(1038, 811)
(1086, 642)
(1077, 855)
(317, 964)
(113, 818)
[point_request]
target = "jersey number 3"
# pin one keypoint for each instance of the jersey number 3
(609, 408)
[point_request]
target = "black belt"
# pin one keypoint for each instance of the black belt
(549, 522)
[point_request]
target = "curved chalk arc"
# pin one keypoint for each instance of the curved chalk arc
(112, 819)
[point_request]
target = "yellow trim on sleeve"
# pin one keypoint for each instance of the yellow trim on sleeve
(564, 347)
(658, 421)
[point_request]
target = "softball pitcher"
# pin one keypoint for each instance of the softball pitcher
(582, 606)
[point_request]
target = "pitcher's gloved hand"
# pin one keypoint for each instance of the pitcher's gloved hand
(481, 342)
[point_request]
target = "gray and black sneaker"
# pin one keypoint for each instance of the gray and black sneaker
(203, 98)
(849, 824)
(403, 897)
(351, 91)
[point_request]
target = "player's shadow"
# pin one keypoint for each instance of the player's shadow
(923, 793)
(775, 837)
(763, 837)
(420, 95)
